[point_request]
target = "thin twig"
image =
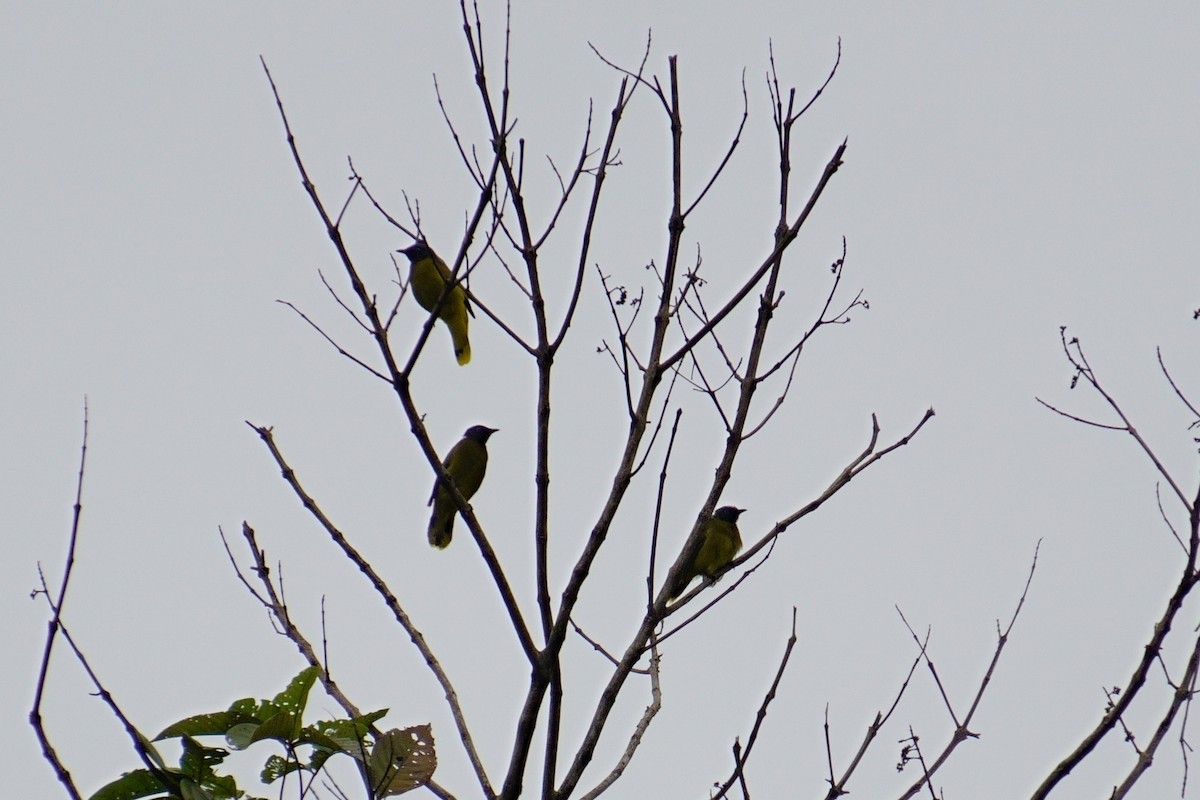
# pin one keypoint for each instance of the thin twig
(341, 350)
(786, 238)
(1073, 351)
(962, 730)
(136, 738)
(1178, 393)
(760, 717)
(54, 626)
(639, 731)
(932, 669)
(390, 600)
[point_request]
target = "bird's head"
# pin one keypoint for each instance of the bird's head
(417, 251)
(479, 433)
(728, 513)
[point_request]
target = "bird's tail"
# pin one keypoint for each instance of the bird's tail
(441, 529)
(681, 583)
(462, 350)
(457, 324)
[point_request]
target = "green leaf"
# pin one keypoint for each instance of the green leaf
(216, 724)
(315, 738)
(196, 761)
(281, 727)
(241, 736)
(223, 787)
(349, 736)
(371, 717)
(318, 758)
(130, 786)
(279, 718)
(152, 752)
(249, 707)
(294, 698)
(276, 767)
(191, 791)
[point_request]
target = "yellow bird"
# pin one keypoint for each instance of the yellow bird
(428, 276)
(466, 463)
(720, 542)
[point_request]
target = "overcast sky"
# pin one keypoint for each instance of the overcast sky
(1011, 168)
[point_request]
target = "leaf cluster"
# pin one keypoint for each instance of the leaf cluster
(392, 762)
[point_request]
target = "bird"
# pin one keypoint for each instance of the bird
(720, 542)
(466, 463)
(427, 276)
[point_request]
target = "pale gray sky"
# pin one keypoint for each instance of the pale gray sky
(1011, 168)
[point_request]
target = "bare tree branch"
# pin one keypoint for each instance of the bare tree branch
(962, 730)
(1162, 628)
(54, 626)
(639, 731)
(760, 717)
(393, 605)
